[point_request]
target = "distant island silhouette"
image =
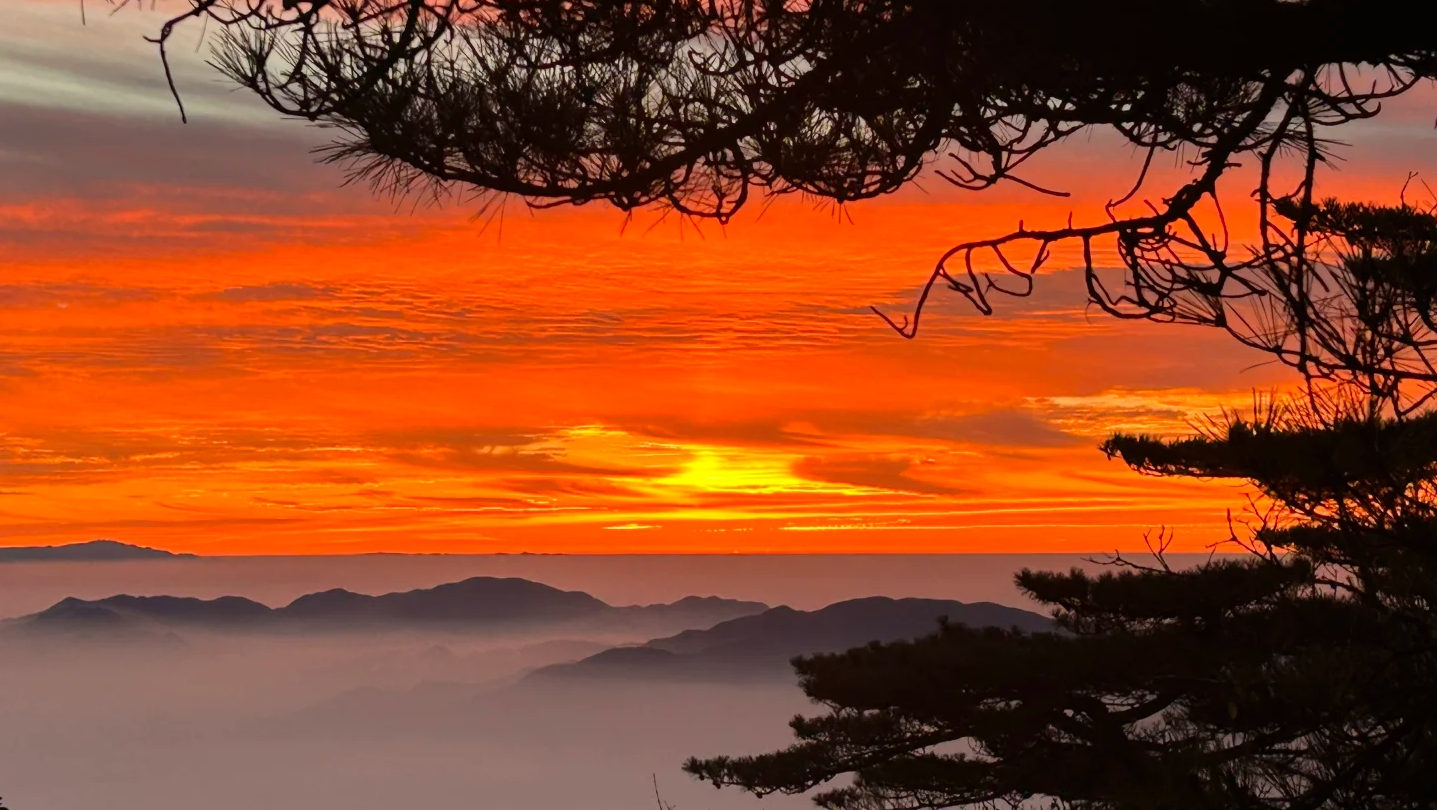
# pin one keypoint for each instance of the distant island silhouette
(92, 551)
(478, 603)
(760, 646)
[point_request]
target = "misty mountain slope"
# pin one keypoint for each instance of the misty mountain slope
(761, 646)
(75, 620)
(693, 611)
(406, 665)
(478, 603)
(186, 609)
(601, 709)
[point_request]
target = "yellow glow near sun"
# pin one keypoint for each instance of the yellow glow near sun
(713, 469)
(709, 469)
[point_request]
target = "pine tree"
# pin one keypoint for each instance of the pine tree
(699, 108)
(1300, 677)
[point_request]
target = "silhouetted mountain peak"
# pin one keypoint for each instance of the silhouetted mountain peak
(697, 607)
(473, 599)
(188, 609)
(76, 612)
(92, 551)
(760, 646)
(695, 601)
(324, 602)
(475, 603)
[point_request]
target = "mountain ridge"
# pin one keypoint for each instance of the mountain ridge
(91, 551)
(473, 603)
(760, 646)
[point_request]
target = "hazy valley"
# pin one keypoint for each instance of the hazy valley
(487, 691)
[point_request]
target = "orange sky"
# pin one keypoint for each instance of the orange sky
(207, 345)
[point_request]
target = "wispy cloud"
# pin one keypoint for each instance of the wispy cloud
(207, 343)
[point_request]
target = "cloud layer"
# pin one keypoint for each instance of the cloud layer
(207, 342)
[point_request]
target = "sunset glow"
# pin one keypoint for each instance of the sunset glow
(210, 345)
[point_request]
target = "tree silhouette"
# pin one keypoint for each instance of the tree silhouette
(1303, 676)
(697, 106)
